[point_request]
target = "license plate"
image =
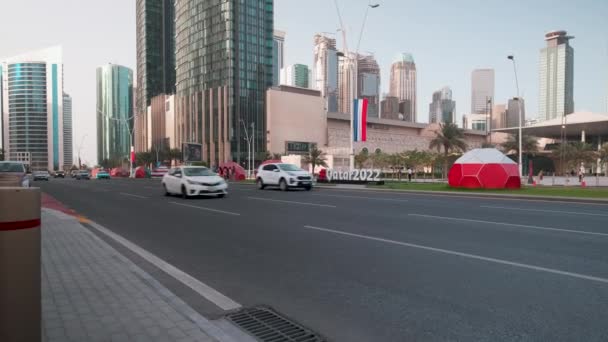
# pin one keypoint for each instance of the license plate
(306, 182)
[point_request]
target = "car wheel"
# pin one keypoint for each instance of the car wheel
(166, 191)
(308, 187)
(221, 195)
(260, 184)
(283, 185)
(184, 193)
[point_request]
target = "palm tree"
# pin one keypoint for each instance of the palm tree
(603, 157)
(451, 138)
(574, 154)
(315, 157)
(529, 144)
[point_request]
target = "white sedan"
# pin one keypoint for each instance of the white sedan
(189, 181)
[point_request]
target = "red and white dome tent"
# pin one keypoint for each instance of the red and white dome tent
(485, 168)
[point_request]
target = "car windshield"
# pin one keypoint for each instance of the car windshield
(11, 167)
(289, 167)
(198, 171)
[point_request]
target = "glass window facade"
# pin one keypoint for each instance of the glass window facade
(67, 132)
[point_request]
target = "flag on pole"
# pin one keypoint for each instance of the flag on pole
(360, 120)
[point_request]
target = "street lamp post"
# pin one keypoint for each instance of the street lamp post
(249, 140)
(131, 130)
(512, 58)
(79, 149)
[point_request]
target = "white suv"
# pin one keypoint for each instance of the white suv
(285, 176)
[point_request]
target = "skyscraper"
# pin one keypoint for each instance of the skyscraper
(368, 81)
(347, 82)
(68, 158)
(403, 84)
(224, 67)
(515, 107)
(32, 108)
(482, 91)
(325, 70)
(114, 113)
(443, 108)
(155, 31)
(296, 75)
(278, 55)
(556, 76)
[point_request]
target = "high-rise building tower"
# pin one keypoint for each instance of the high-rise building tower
(515, 107)
(114, 113)
(443, 108)
(68, 154)
(223, 69)
(278, 55)
(296, 75)
(32, 108)
(556, 97)
(325, 70)
(347, 82)
(368, 81)
(403, 84)
(482, 91)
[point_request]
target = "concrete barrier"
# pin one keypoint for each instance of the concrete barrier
(20, 279)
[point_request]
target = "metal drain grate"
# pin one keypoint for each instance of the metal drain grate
(268, 326)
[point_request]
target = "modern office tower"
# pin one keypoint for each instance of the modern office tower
(223, 69)
(296, 75)
(32, 108)
(389, 108)
(443, 108)
(556, 74)
(482, 91)
(368, 79)
(515, 107)
(114, 113)
(68, 152)
(278, 55)
(347, 82)
(403, 84)
(325, 70)
(499, 116)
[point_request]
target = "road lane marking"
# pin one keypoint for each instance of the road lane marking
(292, 202)
(465, 255)
(511, 224)
(207, 209)
(544, 210)
(131, 195)
(363, 197)
(201, 288)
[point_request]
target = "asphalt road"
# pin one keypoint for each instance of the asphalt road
(376, 266)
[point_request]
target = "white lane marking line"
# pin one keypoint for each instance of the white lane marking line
(544, 210)
(292, 202)
(136, 196)
(511, 224)
(204, 290)
(206, 209)
(363, 197)
(465, 255)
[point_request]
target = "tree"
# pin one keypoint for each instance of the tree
(315, 157)
(361, 158)
(451, 138)
(574, 154)
(144, 158)
(487, 145)
(175, 155)
(603, 157)
(1, 154)
(529, 144)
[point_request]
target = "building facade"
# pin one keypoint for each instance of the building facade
(403, 84)
(556, 76)
(114, 113)
(482, 91)
(68, 152)
(389, 108)
(443, 108)
(499, 116)
(515, 108)
(32, 108)
(224, 65)
(325, 70)
(278, 55)
(347, 82)
(368, 83)
(296, 75)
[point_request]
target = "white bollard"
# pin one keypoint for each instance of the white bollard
(20, 280)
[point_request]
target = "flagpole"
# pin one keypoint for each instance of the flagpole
(352, 137)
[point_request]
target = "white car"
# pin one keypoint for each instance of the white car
(285, 176)
(189, 181)
(41, 175)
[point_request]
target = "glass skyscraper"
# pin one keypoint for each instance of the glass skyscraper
(556, 73)
(296, 75)
(443, 108)
(68, 158)
(224, 53)
(278, 55)
(403, 85)
(482, 91)
(114, 113)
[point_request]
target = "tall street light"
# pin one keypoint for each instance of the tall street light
(512, 58)
(250, 141)
(131, 130)
(79, 149)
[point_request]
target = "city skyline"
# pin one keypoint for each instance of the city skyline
(442, 59)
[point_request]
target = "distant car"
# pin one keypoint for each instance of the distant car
(13, 174)
(59, 174)
(83, 174)
(103, 174)
(191, 181)
(73, 173)
(41, 175)
(285, 176)
(159, 172)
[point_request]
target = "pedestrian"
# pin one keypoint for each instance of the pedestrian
(581, 174)
(409, 173)
(541, 175)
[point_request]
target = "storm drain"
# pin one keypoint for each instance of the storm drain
(268, 326)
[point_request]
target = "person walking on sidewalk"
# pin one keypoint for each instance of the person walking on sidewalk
(409, 173)
(581, 174)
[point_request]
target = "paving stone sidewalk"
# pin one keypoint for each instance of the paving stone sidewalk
(90, 292)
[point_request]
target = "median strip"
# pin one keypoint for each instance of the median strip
(292, 202)
(364, 197)
(207, 209)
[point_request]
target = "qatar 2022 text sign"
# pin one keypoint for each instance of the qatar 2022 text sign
(357, 175)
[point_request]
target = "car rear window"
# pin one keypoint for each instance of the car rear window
(11, 167)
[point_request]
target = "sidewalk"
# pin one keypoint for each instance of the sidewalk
(90, 292)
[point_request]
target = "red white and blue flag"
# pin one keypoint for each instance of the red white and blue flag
(360, 120)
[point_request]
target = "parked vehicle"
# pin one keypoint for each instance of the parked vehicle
(191, 181)
(13, 174)
(83, 174)
(73, 173)
(59, 174)
(41, 175)
(103, 174)
(285, 176)
(159, 172)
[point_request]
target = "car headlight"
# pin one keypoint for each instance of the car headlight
(191, 182)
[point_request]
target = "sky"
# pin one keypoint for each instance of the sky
(447, 38)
